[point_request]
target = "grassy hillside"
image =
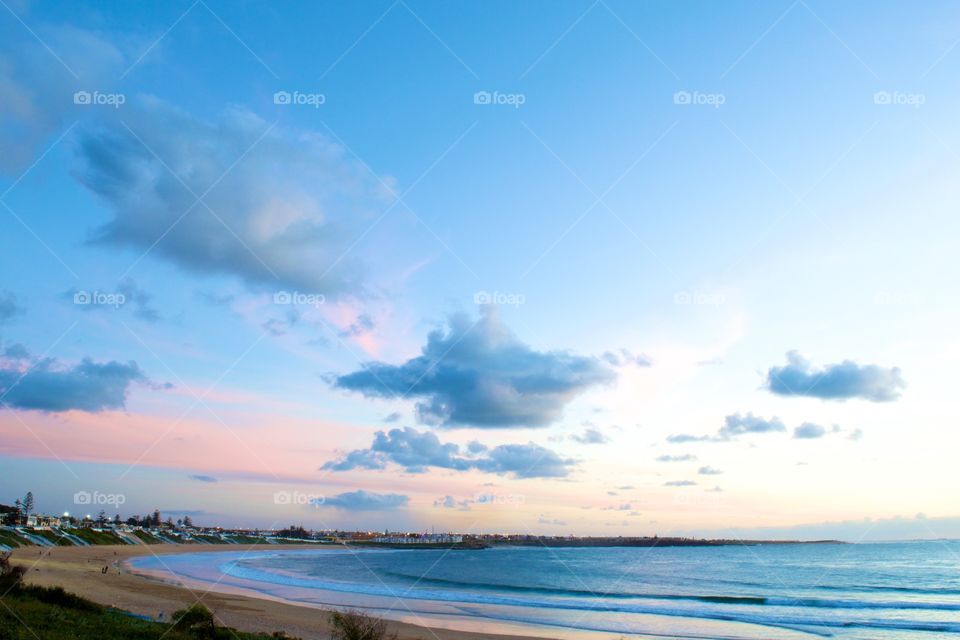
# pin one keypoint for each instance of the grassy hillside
(53, 614)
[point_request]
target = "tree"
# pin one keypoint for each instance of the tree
(187, 522)
(116, 519)
(28, 504)
(102, 517)
(19, 507)
(155, 520)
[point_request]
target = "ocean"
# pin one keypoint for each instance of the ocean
(882, 591)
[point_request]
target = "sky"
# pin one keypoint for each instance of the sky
(605, 268)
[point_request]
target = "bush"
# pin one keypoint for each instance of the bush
(196, 619)
(11, 575)
(58, 597)
(356, 625)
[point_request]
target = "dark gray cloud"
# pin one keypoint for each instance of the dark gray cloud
(416, 451)
(203, 478)
(479, 374)
(835, 381)
(361, 500)
(590, 436)
(279, 219)
(48, 385)
(687, 457)
(9, 307)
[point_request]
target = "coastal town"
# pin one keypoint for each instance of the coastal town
(20, 526)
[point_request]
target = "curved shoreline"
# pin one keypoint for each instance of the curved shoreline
(79, 570)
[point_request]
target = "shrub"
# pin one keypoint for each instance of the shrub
(356, 625)
(196, 619)
(11, 575)
(58, 597)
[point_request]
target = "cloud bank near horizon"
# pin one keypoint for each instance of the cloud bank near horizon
(417, 451)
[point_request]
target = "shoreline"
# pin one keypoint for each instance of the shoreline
(80, 570)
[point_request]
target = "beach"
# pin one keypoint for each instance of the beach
(79, 570)
(885, 591)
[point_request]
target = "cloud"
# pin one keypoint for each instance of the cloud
(809, 431)
(141, 300)
(687, 457)
(449, 502)
(737, 424)
(361, 500)
(734, 425)
(680, 483)
(835, 381)
(479, 374)
(590, 436)
(416, 451)
(363, 324)
(624, 357)
(681, 438)
(393, 417)
(36, 91)
(709, 471)
(50, 386)
(203, 478)
(277, 209)
(9, 307)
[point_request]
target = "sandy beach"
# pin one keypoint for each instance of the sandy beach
(79, 570)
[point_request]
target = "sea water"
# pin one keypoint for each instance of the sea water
(883, 591)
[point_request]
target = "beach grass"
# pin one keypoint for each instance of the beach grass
(97, 537)
(33, 612)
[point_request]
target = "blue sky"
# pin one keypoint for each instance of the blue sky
(666, 199)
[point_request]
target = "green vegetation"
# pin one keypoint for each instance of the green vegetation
(32, 612)
(208, 538)
(355, 625)
(52, 536)
(97, 537)
(243, 539)
(146, 537)
(11, 539)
